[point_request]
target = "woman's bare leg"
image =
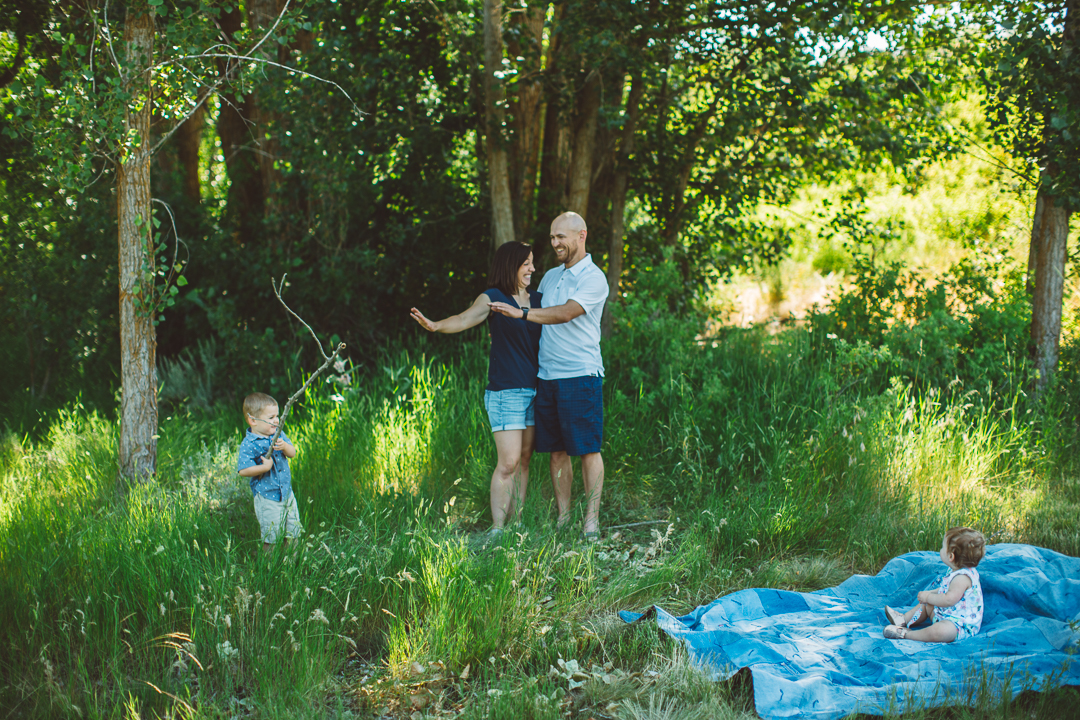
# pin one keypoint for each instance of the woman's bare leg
(521, 479)
(508, 444)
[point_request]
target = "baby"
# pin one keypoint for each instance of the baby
(956, 608)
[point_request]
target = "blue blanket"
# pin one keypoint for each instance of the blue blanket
(822, 654)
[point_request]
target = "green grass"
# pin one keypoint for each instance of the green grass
(759, 463)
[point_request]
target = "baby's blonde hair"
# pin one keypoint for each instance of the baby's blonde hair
(255, 402)
(966, 546)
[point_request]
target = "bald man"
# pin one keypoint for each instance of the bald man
(569, 403)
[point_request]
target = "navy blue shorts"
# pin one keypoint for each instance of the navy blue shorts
(570, 415)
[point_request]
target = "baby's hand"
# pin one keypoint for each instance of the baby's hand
(924, 596)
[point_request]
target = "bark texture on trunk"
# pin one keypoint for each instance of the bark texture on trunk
(246, 201)
(618, 201)
(1049, 243)
(138, 342)
(502, 216)
(188, 139)
(1033, 247)
(261, 17)
(555, 152)
(581, 162)
(527, 117)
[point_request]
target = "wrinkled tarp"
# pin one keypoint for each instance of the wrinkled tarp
(822, 654)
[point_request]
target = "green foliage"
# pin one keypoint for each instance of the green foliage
(966, 328)
(1031, 72)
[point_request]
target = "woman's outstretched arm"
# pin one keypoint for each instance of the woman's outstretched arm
(476, 314)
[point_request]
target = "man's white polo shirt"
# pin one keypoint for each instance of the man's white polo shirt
(572, 349)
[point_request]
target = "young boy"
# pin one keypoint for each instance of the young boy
(271, 481)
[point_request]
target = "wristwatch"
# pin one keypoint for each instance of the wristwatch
(525, 314)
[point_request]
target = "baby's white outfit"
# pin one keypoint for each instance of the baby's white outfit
(967, 614)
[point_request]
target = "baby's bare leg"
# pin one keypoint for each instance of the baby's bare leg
(925, 612)
(943, 631)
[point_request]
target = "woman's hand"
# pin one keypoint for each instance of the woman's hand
(424, 322)
(473, 316)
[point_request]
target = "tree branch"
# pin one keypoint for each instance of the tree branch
(327, 360)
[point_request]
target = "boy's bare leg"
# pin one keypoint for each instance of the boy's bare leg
(562, 477)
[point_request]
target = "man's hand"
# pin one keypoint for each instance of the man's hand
(507, 310)
(424, 322)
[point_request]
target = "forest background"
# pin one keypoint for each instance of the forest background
(913, 159)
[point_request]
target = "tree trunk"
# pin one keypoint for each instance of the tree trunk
(138, 344)
(673, 222)
(555, 153)
(1049, 245)
(618, 201)
(527, 43)
(581, 163)
(246, 201)
(261, 17)
(502, 217)
(1033, 246)
(188, 139)
(1049, 241)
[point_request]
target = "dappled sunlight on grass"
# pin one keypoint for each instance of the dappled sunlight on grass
(928, 455)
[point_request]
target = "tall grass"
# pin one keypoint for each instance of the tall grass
(758, 462)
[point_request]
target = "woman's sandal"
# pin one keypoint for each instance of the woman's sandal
(895, 632)
(591, 537)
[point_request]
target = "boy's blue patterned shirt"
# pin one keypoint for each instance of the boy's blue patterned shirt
(276, 483)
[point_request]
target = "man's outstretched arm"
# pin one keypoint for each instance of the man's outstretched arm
(542, 316)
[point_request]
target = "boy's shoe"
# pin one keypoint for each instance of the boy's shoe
(895, 618)
(894, 632)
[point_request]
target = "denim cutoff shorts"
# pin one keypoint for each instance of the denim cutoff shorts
(510, 409)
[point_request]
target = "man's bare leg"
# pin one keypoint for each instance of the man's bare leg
(562, 477)
(592, 469)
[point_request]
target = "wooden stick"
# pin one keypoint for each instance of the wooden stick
(327, 360)
(637, 524)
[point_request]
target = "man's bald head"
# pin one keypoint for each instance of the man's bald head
(568, 233)
(572, 221)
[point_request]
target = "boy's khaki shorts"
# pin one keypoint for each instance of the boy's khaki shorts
(272, 515)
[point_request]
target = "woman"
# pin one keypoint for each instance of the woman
(512, 369)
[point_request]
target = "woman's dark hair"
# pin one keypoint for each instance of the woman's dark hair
(504, 267)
